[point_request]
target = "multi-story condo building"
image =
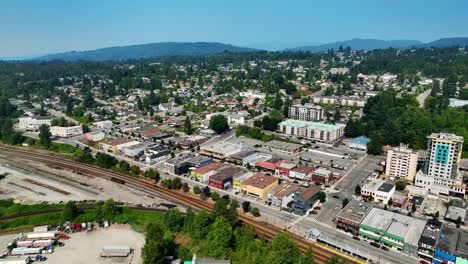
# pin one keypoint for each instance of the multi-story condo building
(65, 132)
(34, 122)
(401, 163)
(442, 175)
(327, 133)
(307, 112)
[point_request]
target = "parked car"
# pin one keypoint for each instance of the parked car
(356, 238)
(385, 249)
(375, 244)
(335, 196)
(313, 212)
(317, 208)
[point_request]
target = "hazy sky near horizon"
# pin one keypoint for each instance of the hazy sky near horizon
(31, 27)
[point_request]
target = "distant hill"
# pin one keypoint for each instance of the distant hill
(447, 42)
(361, 44)
(146, 51)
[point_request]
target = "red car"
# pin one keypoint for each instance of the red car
(317, 208)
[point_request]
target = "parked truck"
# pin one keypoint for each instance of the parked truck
(115, 251)
(24, 243)
(42, 235)
(43, 243)
(25, 251)
(16, 261)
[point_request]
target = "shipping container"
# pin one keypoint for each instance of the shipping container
(16, 261)
(43, 243)
(24, 251)
(38, 229)
(115, 251)
(42, 235)
(24, 243)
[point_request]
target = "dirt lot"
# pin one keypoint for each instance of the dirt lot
(29, 183)
(85, 247)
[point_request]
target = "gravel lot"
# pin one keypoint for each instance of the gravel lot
(85, 247)
(79, 187)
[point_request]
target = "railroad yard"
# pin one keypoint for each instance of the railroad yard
(321, 254)
(55, 185)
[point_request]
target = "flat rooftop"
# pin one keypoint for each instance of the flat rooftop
(378, 219)
(312, 125)
(276, 144)
(355, 211)
(386, 187)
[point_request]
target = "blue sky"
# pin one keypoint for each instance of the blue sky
(30, 27)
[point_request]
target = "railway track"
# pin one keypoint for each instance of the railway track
(321, 254)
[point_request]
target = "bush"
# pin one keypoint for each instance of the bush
(255, 212)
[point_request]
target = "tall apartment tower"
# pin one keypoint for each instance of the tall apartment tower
(445, 155)
(307, 112)
(401, 163)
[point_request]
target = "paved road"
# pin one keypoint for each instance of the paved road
(422, 97)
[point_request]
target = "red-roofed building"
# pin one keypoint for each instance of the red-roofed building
(148, 134)
(303, 174)
(283, 168)
(266, 166)
(202, 174)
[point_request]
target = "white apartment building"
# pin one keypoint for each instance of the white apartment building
(401, 163)
(443, 175)
(307, 112)
(327, 133)
(57, 131)
(34, 122)
(106, 125)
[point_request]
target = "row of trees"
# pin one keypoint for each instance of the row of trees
(217, 235)
(390, 119)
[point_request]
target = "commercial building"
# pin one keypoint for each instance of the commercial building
(314, 131)
(304, 199)
(283, 169)
(116, 145)
(428, 239)
(283, 147)
(259, 185)
(307, 112)
(95, 136)
(322, 175)
(401, 163)
(452, 246)
(380, 190)
(442, 175)
(339, 100)
(393, 230)
(33, 123)
(282, 195)
(183, 164)
(135, 151)
(223, 179)
(238, 179)
(202, 174)
(351, 216)
(220, 149)
(157, 153)
(302, 174)
(65, 132)
(359, 143)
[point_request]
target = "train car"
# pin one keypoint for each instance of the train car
(117, 180)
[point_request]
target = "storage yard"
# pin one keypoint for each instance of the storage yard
(114, 244)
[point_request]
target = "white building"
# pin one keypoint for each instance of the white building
(106, 125)
(57, 131)
(312, 130)
(443, 176)
(307, 112)
(380, 190)
(95, 136)
(34, 122)
(401, 163)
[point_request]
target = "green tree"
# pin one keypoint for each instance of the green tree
(188, 126)
(173, 220)
(135, 170)
(70, 212)
(153, 174)
(218, 241)
(219, 124)
(105, 161)
(124, 165)
(283, 251)
(357, 190)
(322, 197)
(255, 212)
(109, 210)
(344, 202)
(44, 136)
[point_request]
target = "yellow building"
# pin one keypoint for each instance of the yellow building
(258, 185)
